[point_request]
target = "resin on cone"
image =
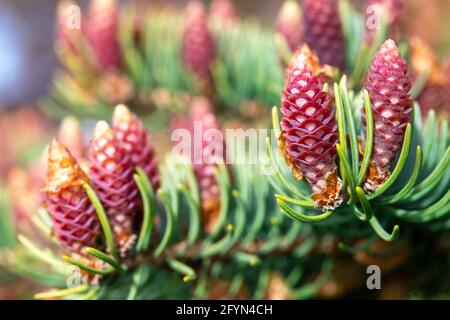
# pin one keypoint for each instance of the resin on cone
(289, 23)
(424, 62)
(323, 31)
(102, 32)
(111, 174)
(130, 132)
(223, 13)
(309, 135)
(75, 221)
(198, 48)
(388, 84)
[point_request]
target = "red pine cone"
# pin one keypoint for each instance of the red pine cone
(198, 48)
(203, 163)
(223, 13)
(388, 85)
(308, 139)
(289, 24)
(323, 31)
(111, 174)
(75, 222)
(102, 32)
(133, 137)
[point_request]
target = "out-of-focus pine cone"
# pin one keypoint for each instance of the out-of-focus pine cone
(346, 276)
(309, 135)
(394, 9)
(71, 136)
(204, 164)
(115, 87)
(198, 48)
(111, 173)
(75, 222)
(447, 69)
(218, 289)
(130, 132)
(289, 23)
(388, 256)
(222, 13)
(323, 31)
(277, 287)
(68, 25)
(425, 61)
(102, 32)
(388, 84)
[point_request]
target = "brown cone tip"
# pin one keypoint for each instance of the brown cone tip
(63, 169)
(305, 56)
(329, 195)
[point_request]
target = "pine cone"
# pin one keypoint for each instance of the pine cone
(308, 139)
(447, 69)
(198, 48)
(133, 137)
(289, 23)
(203, 163)
(71, 136)
(75, 222)
(388, 85)
(222, 13)
(67, 31)
(425, 61)
(111, 174)
(393, 8)
(323, 31)
(102, 32)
